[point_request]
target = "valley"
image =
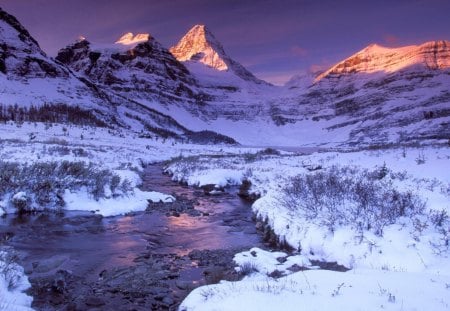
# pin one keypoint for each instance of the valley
(139, 177)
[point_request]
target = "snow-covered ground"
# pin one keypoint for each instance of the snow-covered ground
(361, 289)
(121, 152)
(403, 266)
(12, 284)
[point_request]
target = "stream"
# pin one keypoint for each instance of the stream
(141, 261)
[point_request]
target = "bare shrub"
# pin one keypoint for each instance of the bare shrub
(60, 150)
(42, 184)
(10, 271)
(345, 196)
(247, 268)
(421, 159)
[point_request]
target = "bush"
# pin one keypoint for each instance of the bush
(345, 196)
(248, 268)
(10, 271)
(21, 202)
(42, 185)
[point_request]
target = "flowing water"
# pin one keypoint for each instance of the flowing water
(142, 261)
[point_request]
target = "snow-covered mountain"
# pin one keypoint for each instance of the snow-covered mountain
(379, 95)
(376, 58)
(199, 45)
(137, 67)
(29, 78)
(90, 87)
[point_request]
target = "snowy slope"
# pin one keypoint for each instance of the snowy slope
(381, 95)
(29, 77)
(377, 96)
(200, 46)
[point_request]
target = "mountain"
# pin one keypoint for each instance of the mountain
(32, 81)
(75, 88)
(376, 58)
(137, 67)
(199, 45)
(20, 54)
(377, 96)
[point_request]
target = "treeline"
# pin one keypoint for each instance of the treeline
(59, 113)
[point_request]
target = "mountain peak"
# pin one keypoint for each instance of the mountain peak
(129, 38)
(376, 58)
(199, 44)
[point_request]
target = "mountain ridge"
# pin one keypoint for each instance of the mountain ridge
(375, 58)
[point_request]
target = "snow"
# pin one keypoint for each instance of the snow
(130, 39)
(409, 258)
(326, 290)
(200, 44)
(375, 58)
(136, 202)
(404, 268)
(125, 43)
(218, 176)
(13, 284)
(122, 152)
(267, 262)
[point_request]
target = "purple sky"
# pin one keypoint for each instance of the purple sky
(274, 39)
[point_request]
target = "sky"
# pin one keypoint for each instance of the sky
(274, 39)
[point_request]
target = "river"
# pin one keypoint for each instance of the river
(142, 261)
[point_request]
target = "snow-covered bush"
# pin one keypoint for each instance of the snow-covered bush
(348, 196)
(21, 202)
(9, 269)
(42, 184)
(13, 283)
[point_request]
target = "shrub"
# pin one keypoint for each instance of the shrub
(10, 271)
(42, 184)
(344, 196)
(21, 202)
(248, 268)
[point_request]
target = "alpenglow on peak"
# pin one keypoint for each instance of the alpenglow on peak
(129, 38)
(199, 44)
(431, 55)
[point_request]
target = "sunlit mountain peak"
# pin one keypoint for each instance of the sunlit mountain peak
(129, 38)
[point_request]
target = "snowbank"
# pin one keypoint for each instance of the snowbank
(13, 283)
(135, 202)
(326, 290)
